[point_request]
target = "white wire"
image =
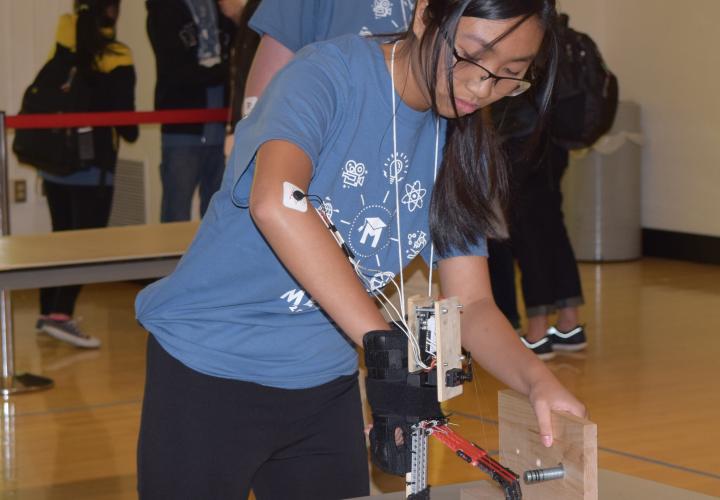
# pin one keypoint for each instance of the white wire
(394, 171)
(384, 302)
(402, 326)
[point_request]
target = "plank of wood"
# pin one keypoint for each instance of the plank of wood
(449, 351)
(574, 446)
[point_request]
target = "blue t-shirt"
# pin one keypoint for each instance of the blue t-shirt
(231, 309)
(296, 23)
(91, 176)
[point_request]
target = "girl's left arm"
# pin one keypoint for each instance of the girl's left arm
(493, 343)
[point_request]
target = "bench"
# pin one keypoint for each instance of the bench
(80, 257)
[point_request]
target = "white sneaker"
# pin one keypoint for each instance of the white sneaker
(67, 331)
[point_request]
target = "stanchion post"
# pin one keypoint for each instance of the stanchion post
(11, 383)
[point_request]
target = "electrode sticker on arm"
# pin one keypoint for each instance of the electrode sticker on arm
(293, 197)
(248, 105)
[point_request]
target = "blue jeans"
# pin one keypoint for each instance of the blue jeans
(184, 168)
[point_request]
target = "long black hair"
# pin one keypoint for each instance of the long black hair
(472, 185)
(92, 38)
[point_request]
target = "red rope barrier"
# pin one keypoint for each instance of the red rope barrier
(116, 118)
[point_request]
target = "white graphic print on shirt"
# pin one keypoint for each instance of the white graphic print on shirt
(380, 279)
(382, 8)
(370, 233)
(416, 242)
(414, 196)
(294, 297)
(328, 209)
(353, 174)
(395, 167)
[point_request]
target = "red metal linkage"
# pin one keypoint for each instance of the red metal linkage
(470, 452)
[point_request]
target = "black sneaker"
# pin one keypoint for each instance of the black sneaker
(67, 331)
(574, 340)
(543, 348)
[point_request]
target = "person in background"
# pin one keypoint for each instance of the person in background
(501, 264)
(191, 40)
(82, 200)
(549, 273)
(243, 52)
(538, 237)
(285, 26)
(271, 31)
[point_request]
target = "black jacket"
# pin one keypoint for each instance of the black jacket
(110, 87)
(181, 81)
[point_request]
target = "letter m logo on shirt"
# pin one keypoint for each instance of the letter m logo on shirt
(294, 298)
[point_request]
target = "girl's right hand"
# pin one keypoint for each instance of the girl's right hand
(548, 395)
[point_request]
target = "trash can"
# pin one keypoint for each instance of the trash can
(601, 191)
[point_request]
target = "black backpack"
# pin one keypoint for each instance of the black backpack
(586, 91)
(58, 88)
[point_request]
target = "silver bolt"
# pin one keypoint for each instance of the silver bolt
(444, 310)
(540, 475)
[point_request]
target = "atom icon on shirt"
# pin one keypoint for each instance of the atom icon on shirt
(414, 196)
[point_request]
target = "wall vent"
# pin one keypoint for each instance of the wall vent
(130, 200)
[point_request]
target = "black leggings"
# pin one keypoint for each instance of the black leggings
(550, 277)
(210, 438)
(73, 207)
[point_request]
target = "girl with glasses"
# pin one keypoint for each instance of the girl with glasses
(252, 363)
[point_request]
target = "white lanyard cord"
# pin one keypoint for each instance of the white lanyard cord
(404, 14)
(395, 173)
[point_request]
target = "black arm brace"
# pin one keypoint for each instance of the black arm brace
(398, 399)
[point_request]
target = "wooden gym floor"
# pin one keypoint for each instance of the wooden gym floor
(649, 378)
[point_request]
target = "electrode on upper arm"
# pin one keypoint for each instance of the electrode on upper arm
(294, 198)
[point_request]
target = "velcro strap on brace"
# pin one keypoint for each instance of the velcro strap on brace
(399, 398)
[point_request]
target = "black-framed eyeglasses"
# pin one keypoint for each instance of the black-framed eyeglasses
(503, 85)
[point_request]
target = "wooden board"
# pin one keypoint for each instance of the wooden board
(574, 446)
(87, 246)
(447, 336)
(449, 350)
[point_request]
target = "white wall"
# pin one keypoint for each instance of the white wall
(666, 57)
(27, 31)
